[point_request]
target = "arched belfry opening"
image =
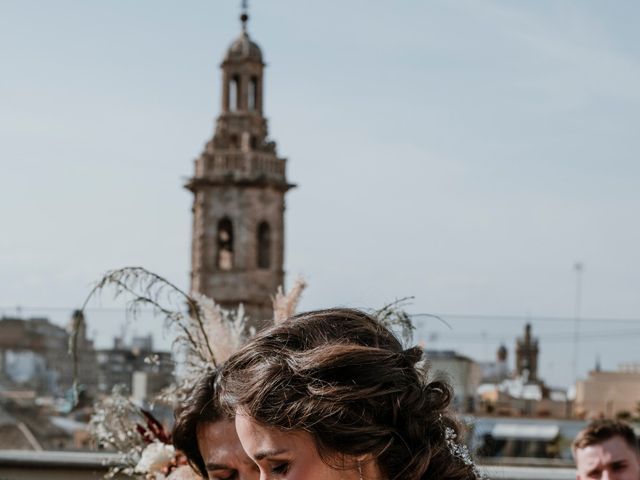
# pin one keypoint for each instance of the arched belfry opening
(239, 188)
(264, 245)
(224, 252)
(234, 98)
(252, 99)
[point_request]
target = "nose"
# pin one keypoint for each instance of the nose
(609, 475)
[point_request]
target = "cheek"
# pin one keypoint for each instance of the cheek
(309, 466)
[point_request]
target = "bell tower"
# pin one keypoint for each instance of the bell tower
(238, 190)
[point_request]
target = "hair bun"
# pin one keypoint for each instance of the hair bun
(413, 355)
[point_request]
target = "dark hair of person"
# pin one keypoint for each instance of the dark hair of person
(201, 405)
(344, 378)
(600, 431)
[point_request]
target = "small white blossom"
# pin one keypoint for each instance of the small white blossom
(155, 457)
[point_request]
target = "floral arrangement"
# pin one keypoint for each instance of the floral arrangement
(143, 442)
(206, 336)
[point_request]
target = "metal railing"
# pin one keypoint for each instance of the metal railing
(27, 465)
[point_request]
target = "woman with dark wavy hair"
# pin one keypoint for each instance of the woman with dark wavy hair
(207, 436)
(332, 394)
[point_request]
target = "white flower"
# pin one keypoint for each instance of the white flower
(155, 457)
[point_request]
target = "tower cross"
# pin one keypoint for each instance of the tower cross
(244, 15)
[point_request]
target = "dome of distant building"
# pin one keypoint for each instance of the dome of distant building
(502, 353)
(243, 49)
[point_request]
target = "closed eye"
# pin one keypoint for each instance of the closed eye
(617, 466)
(223, 475)
(280, 468)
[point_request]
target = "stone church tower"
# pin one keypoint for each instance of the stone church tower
(238, 187)
(527, 355)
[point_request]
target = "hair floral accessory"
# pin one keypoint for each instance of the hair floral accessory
(460, 450)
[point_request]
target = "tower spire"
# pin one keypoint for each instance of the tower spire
(244, 14)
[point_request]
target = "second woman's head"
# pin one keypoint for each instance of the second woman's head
(333, 394)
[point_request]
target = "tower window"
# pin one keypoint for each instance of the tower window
(224, 256)
(234, 93)
(264, 245)
(252, 99)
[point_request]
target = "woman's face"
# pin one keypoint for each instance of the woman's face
(287, 455)
(222, 453)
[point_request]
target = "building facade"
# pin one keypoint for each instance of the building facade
(34, 353)
(609, 393)
(238, 190)
(463, 373)
(136, 366)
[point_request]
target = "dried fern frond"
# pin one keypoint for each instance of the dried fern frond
(284, 305)
(206, 333)
(394, 316)
(148, 289)
(77, 322)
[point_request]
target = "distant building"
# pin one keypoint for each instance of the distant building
(463, 373)
(514, 397)
(609, 393)
(34, 353)
(527, 355)
(122, 364)
(523, 393)
(238, 187)
(497, 371)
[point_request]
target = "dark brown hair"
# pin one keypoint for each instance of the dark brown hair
(600, 431)
(345, 379)
(201, 405)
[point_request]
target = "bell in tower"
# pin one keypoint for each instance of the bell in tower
(238, 190)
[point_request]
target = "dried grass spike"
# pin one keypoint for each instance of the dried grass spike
(284, 305)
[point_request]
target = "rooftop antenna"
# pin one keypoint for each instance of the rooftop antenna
(578, 267)
(244, 15)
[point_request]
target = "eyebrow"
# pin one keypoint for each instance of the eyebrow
(614, 463)
(269, 453)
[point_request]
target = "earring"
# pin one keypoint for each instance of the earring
(360, 470)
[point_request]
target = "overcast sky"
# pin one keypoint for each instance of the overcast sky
(465, 153)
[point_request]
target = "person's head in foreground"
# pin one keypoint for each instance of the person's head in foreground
(607, 450)
(207, 436)
(332, 395)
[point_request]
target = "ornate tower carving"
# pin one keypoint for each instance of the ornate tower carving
(239, 186)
